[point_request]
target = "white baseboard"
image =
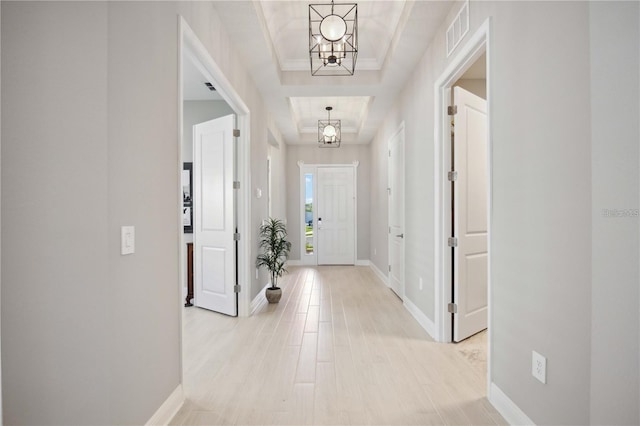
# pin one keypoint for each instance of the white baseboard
(422, 319)
(168, 409)
(379, 273)
(362, 262)
(507, 408)
(294, 262)
(258, 301)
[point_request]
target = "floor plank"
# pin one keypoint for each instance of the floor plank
(338, 349)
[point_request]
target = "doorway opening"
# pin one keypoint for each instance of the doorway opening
(468, 152)
(463, 195)
(204, 94)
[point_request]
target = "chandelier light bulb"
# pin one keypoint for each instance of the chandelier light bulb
(333, 28)
(329, 131)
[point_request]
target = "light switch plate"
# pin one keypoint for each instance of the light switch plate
(128, 240)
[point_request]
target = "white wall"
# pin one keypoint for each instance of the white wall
(278, 154)
(1, 422)
(615, 109)
(277, 151)
(346, 154)
(56, 284)
(543, 194)
(90, 336)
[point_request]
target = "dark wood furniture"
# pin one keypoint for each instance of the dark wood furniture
(189, 275)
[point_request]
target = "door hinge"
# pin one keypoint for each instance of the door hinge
(452, 242)
(389, 229)
(236, 133)
(389, 153)
(452, 308)
(237, 288)
(389, 268)
(452, 176)
(452, 110)
(236, 184)
(236, 236)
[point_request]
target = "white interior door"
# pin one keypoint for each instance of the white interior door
(336, 215)
(470, 215)
(396, 213)
(214, 216)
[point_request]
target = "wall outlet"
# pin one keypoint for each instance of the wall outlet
(127, 240)
(539, 367)
(420, 284)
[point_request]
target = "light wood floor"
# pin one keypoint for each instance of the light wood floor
(339, 349)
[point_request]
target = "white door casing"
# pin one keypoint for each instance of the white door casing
(336, 215)
(470, 221)
(396, 193)
(214, 216)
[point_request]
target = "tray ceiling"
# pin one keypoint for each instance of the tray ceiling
(272, 39)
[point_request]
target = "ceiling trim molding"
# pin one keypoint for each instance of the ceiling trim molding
(364, 64)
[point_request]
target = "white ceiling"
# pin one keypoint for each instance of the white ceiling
(272, 39)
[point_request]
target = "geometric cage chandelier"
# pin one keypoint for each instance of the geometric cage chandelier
(333, 38)
(329, 132)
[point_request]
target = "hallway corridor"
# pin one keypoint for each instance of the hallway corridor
(338, 349)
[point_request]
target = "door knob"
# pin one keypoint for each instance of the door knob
(400, 235)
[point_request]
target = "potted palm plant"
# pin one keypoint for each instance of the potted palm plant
(275, 252)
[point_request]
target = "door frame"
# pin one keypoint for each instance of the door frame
(189, 44)
(389, 243)
(478, 43)
(301, 206)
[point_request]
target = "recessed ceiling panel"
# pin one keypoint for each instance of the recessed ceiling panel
(288, 25)
(351, 110)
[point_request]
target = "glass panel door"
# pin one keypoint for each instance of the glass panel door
(308, 216)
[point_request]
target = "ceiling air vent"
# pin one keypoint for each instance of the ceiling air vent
(210, 86)
(458, 28)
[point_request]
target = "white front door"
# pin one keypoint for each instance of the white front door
(214, 216)
(470, 215)
(336, 215)
(396, 213)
